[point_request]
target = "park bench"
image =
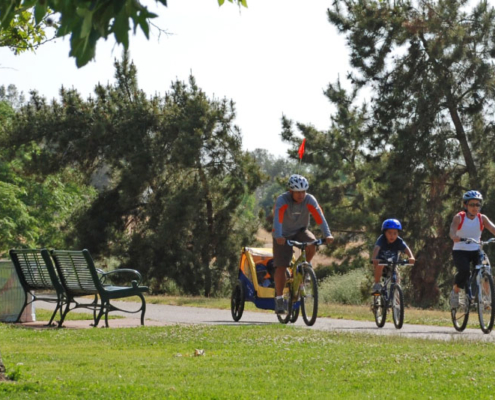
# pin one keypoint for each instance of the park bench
(79, 277)
(36, 274)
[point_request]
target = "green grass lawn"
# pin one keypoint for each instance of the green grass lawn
(239, 362)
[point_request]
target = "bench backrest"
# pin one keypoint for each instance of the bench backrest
(35, 271)
(77, 272)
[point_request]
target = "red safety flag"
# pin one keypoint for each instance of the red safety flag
(301, 149)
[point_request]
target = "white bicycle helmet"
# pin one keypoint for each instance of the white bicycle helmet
(298, 183)
(472, 194)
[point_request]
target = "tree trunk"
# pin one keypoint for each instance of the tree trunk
(208, 250)
(461, 137)
(431, 257)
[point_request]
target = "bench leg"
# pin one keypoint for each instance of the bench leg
(23, 307)
(103, 308)
(59, 307)
(143, 307)
(66, 311)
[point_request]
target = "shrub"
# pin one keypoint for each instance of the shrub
(348, 288)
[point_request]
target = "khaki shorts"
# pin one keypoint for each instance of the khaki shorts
(282, 254)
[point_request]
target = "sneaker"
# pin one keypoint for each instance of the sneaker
(280, 306)
(377, 288)
(454, 299)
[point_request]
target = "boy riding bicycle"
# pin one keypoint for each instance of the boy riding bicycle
(290, 221)
(388, 245)
(468, 224)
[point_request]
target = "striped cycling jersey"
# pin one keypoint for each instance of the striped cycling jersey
(290, 217)
(469, 228)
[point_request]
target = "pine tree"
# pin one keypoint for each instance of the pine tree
(425, 134)
(172, 176)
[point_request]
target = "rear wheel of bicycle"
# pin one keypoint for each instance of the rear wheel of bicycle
(309, 297)
(379, 309)
(237, 301)
(398, 306)
(460, 315)
(295, 314)
(486, 305)
(285, 318)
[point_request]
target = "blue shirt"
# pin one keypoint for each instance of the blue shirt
(389, 250)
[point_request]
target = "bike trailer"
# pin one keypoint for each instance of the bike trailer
(256, 273)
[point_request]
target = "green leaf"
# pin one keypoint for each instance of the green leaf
(143, 23)
(220, 2)
(39, 12)
(121, 29)
(87, 24)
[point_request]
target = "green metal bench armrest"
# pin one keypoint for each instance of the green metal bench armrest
(116, 271)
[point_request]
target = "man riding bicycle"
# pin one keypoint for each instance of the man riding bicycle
(468, 224)
(291, 221)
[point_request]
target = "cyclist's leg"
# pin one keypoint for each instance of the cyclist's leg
(282, 256)
(462, 260)
(378, 273)
(307, 236)
(280, 279)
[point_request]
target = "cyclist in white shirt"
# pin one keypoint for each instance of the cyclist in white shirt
(467, 224)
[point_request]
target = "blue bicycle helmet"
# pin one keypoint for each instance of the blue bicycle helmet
(391, 224)
(472, 194)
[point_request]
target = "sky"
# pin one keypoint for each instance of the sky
(274, 58)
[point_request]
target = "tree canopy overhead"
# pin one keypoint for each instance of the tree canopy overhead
(23, 22)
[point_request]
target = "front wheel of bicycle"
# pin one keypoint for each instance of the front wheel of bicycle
(237, 301)
(309, 296)
(379, 309)
(486, 305)
(460, 315)
(398, 306)
(295, 314)
(285, 318)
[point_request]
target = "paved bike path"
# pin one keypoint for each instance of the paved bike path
(160, 315)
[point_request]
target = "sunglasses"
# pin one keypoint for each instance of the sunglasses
(474, 205)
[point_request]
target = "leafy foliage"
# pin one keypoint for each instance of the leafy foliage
(425, 135)
(23, 32)
(175, 187)
(22, 22)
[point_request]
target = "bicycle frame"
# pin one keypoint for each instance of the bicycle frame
(483, 266)
(479, 293)
(390, 296)
(391, 280)
(302, 286)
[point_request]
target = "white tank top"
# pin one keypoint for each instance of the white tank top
(469, 228)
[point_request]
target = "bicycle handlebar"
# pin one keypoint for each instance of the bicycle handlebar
(471, 240)
(300, 245)
(390, 262)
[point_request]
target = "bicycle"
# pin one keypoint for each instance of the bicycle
(390, 296)
(302, 287)
(479, 293)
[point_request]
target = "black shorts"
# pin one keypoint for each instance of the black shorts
(462, 261)
(282, 254)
